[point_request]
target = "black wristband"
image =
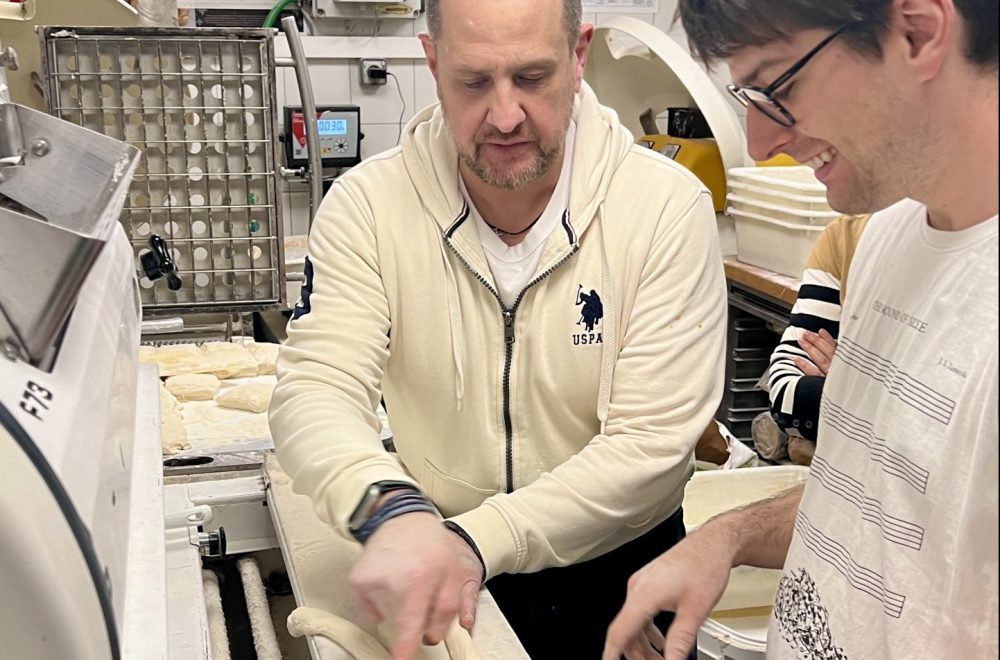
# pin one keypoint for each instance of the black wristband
(454, 527)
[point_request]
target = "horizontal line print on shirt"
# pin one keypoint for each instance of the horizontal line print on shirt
(861, 578)
(900, 384)
(893, 529)
(862, 432)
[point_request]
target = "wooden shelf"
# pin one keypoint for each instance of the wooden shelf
(778, 286)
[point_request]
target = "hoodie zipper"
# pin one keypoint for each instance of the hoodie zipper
(509, 316)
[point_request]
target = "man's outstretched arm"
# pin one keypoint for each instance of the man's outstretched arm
(689, 578)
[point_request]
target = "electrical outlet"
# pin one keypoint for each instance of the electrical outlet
(366, 68)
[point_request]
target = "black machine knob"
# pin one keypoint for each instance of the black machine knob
(158, 263)
(212, 544)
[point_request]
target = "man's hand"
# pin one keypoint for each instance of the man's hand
(417, 575)
(688, 580)
(820, 348)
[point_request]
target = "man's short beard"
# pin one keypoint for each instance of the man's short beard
(512, 179)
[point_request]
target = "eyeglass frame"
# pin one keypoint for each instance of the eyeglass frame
(740, 91)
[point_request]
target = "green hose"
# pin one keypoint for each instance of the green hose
(272, 16)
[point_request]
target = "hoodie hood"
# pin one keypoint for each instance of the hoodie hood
(431, 160)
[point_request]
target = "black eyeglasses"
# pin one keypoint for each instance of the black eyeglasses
(763, 99)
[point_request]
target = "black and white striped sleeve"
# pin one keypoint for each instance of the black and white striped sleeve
(795, 396)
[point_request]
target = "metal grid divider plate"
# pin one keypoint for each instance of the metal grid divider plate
(200, 105)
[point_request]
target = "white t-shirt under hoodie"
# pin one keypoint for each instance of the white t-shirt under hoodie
(895, 548)
(513, 266)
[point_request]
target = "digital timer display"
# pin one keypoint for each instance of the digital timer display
(332, 126)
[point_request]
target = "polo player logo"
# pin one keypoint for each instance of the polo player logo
(303, 306)
(591, 313)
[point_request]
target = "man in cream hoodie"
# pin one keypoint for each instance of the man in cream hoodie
(541, 304)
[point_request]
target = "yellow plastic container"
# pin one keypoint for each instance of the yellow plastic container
(700, 155)
(781, 160)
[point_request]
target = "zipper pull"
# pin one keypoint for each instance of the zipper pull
(508, 328)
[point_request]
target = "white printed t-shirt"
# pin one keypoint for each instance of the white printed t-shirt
(895, 546)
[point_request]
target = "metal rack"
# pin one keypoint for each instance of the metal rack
(201, 107)
(754, 329)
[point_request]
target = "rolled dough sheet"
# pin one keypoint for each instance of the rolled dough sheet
(319, 561)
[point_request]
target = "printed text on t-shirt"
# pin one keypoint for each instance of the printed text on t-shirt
(897, 315)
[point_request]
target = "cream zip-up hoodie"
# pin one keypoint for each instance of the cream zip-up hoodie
(552, 431)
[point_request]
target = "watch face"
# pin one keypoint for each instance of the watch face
(364, 510)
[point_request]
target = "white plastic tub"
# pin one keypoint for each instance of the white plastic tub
(794, 180)
(737, 628)
(776, 245)
(802, 210)
(813, 201)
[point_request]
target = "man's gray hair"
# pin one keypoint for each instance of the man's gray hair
(572, 18)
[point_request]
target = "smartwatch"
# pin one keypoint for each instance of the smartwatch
(372, 495)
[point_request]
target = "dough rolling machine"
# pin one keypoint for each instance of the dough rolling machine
(103, 556)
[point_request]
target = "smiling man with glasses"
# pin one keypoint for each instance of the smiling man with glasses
(891, 548)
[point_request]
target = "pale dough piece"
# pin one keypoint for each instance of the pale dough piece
(173, 360)
(459, 643)
(168, 402)
(193, 387)
(354, 640)
(266, 355)
(173, 435)
(254, 397)
(227, 360)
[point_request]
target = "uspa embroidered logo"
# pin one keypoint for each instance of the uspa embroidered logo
(591, 313)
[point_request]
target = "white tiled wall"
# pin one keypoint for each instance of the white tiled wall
(335, 79)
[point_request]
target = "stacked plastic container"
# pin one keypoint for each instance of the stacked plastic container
(779, 213)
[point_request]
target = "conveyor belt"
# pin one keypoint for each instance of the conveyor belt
(319, 560)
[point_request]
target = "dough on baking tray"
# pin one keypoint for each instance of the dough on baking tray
(220, 358)
(266, 355)
(193, 387)
(173, 360)
(173, 435)
(254, 397)
(227, 360)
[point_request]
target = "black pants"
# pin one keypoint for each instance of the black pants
(564, 613)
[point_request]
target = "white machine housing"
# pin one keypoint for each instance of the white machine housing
(79, 486)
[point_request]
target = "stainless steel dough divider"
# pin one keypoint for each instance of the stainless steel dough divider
(201, 107)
